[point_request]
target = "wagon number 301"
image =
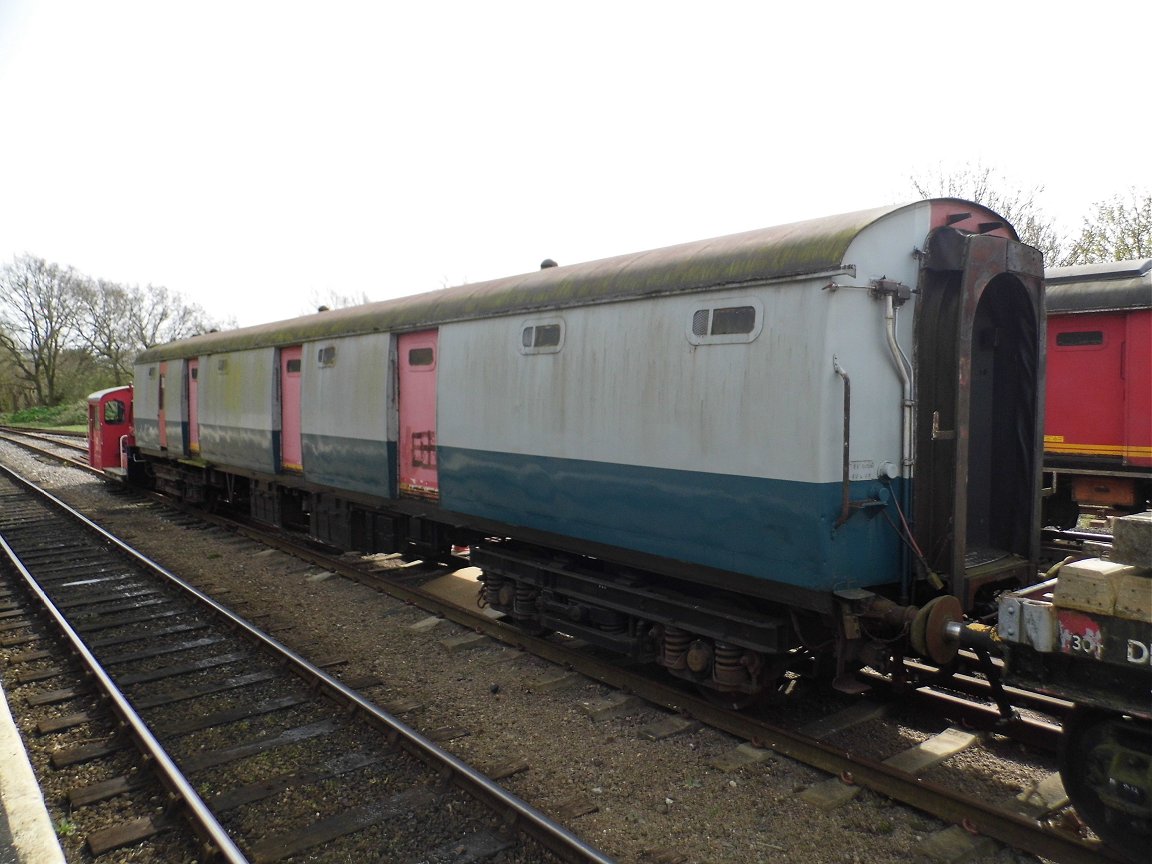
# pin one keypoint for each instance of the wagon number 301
(1080, 634)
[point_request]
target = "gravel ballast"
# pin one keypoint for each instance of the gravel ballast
(649, 800)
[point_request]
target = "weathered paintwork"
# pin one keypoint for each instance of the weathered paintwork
(625, 426)
(417, 370)
(348, 416)
(634, 434)
(161, 406)
(239, 410)
(290, 409)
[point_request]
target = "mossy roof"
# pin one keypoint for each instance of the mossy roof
(763, 255)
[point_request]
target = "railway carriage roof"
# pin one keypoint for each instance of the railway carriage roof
(1112, 286)
(797, 249)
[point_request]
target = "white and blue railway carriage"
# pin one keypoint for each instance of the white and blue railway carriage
(772, 420)
(704, 427)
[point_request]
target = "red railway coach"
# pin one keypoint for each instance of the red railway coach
(1098, 418)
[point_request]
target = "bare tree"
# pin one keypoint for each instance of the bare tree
(1118, 230)
(107, 327)
(14, 390)
(39, 321)
(160, 315)
(1019, 206)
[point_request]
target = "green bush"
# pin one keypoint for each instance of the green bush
(68, 414)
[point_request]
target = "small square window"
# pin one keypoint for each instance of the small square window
(326, 356)
(732, 320)
(421, 357)
(547, 336)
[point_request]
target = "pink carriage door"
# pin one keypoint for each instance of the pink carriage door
(161, 414)
(290, 451)
(417, 402)
(194, 406)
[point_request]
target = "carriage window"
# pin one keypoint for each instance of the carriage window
(721, 324)
(420, 357)
(194, 372)
(292, 366)
(1079, 338)
(545, 336)
(326, 356)
(542, 337)
(732, 320)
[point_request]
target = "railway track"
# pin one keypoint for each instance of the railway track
(65, 448)
(264, 754)
(1040, 824)
(958, 709)
(1056, 545)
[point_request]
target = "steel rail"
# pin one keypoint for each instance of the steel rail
(1015, 830)
(203, 821)
(6, 435)
(559, 840)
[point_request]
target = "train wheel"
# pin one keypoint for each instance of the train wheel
(1106, 766)
(771, 678)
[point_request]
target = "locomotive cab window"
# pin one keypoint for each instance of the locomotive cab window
(542, 337)
(726, 322)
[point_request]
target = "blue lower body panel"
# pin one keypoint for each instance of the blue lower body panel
(255, 449)
(354, 464)
(770, 529)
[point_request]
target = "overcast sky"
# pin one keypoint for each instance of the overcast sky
(259, 156)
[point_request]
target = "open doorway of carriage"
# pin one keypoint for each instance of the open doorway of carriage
(1002, 423)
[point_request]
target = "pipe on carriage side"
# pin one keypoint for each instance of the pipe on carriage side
(845, 503)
